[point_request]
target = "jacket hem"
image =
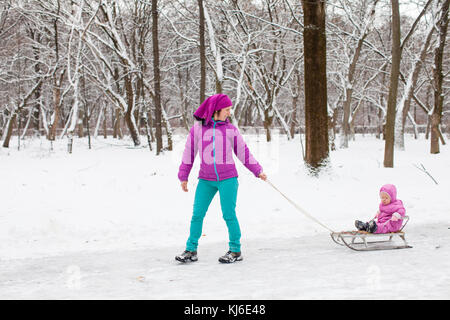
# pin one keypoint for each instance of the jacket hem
(220, 178)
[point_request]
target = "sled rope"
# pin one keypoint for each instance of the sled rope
(299, 208)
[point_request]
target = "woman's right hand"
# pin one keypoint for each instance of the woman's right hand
(184, 186)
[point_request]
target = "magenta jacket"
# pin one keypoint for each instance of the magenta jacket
(384, 222)
(216, 142)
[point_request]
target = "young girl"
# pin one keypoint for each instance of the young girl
(389, 216)
(215, 139)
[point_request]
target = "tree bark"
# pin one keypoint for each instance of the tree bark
(117, 133)
(10, 125)
(16, 111)
(156, 77)
(294, 122)
(57, 82)
(438, 78)
(268, 119)
(316, 116)
(405, 102)
(295, 97)
(349, 93)
(393, 87)
(105, 127)
(37, 93)
(183, 100)
(129, 117)
(202, 51)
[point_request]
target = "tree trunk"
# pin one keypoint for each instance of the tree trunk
(56, 106)
(183, 99)
(405, 102)
(80, 127)
(294, 122)
(117, 126)
(215, 51)
(332, 121)
(349, 93)
(147, 130)
(56, 84)
(202, 51)
(392, 98)
(316, 115)
(156, 77)
(105, 127)
(381, 98)
(9, 129)
(37, 108)
(438, 78)
(36, 113)
(268, 119)
(167, 126)
(16, 111)
(129, 117)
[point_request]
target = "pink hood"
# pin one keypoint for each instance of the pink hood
(391, 190)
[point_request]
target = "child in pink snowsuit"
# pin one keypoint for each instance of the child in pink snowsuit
(389, 216)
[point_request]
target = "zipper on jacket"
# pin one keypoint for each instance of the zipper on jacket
(214, 149)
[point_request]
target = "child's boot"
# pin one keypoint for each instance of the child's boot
(361, 226)
(372, 226)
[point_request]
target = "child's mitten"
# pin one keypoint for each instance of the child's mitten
(396, 216)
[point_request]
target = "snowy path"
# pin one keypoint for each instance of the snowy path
(281, 268)
(89, 225)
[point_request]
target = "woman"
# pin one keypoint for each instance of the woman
(216, 139)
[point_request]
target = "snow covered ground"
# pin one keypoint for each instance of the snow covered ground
(107, 223)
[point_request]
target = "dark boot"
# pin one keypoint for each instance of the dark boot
(372, 226)
(361, 226)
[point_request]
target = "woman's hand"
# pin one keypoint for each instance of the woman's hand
(263, 176)
(184, 186)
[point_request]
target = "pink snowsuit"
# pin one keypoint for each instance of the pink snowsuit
(384, 222)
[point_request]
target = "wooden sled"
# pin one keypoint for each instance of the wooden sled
(348, 238)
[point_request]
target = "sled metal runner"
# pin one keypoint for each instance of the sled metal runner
(349, 239)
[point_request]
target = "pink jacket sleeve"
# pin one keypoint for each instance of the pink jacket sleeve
(244, 155)
(189, 154)
(400, 211)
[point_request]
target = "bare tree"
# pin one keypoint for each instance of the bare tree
(255, 55)
(74, 69)
(405, 102)
(362, 27)
(17, 110)
(316, 115)
(156, 77)
(393, 87)
(202, 50)
(438, 77)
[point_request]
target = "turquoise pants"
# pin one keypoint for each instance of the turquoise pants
(204, 194)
